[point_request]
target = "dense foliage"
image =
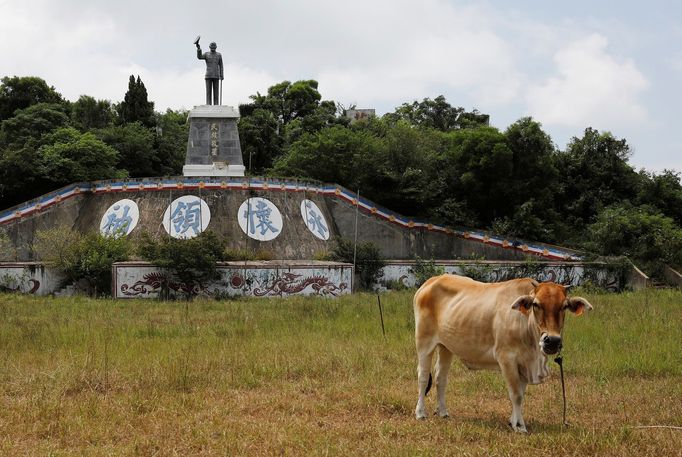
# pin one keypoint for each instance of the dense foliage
(365, 256)
(81, 257)
(427, 159)
(47, 142)
(192, 261)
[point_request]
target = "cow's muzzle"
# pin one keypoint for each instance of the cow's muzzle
(550, 344)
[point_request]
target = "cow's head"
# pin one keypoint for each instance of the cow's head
(547, 305)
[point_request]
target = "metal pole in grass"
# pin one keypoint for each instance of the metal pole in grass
(381, 314)
(355, 241)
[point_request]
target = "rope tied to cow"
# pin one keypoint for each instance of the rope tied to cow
(559, 361)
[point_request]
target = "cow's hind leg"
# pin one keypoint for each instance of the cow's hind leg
(425, 355)
(443, 363)
(517, 389)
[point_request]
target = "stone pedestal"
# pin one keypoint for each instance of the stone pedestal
(213, 146)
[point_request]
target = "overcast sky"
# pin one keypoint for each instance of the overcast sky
(614, 66)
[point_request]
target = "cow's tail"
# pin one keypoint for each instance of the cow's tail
(428, 386)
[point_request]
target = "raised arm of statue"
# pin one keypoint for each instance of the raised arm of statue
(200, 55)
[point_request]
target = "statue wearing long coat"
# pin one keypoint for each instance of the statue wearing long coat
(214, 73)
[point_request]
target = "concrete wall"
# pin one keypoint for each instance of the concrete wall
(29, 278)
(573, 273)
(673, 276)
(82, 206)
(284, 278)
(252, 279)
(397, 242)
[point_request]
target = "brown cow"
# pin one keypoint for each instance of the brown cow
(510, 326)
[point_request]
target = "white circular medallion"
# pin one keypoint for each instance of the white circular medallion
(120, 219)
(186, 217)
(314, 219)
(260, 219)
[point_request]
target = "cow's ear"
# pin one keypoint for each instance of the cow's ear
(523, 303)
(578, 305)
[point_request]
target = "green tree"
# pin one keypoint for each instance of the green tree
(260, 140)
(407, 175)
(289, 101)
(476, 169)
(662, 191)
(88, 113)
(595, 173)
(639, 232)
(336, 154)
(532, 185)
(32, 123)
(437, 114)
(21, 162)
(19, 92)
(70, 156)
(171, 142)
(135, 146)
(135, 107)
(272, 122)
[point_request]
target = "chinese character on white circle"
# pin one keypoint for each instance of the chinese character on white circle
(314, 219)
(120, 219)
(260, 219)
(186, 217)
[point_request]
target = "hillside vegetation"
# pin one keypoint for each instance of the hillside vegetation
(426, 159)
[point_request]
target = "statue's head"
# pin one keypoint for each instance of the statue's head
(212, 46)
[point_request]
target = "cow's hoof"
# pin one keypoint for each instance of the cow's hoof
(420, 415)
(519, 428)
(442, 415)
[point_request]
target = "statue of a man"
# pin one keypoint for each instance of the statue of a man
(214, 71)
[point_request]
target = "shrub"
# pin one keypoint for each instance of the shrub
(368, 261)
(425, 269)
(642, 233)
(8, 251)
(82, 257)
(322, 256)
(192, 261)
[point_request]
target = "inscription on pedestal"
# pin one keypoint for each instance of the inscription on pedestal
(213, 145)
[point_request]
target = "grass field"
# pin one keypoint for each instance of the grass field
(313, 376)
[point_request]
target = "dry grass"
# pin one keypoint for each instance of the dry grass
(307, 376)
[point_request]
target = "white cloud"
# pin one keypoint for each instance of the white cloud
(675, 63)
(424, 50)
(591, 88)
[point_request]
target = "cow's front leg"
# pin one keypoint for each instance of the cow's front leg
(517, 389)
(442, 368)
(425, 354)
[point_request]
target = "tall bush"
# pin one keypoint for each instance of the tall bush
(368, 261)
(640, 232)
(192, 261)
(81, 257)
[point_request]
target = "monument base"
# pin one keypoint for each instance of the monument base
(216, 169)
(213, 147)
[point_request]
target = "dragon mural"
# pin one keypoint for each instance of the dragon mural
(35, 285)
(154, 282)
(289, 283)
(280, 284)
